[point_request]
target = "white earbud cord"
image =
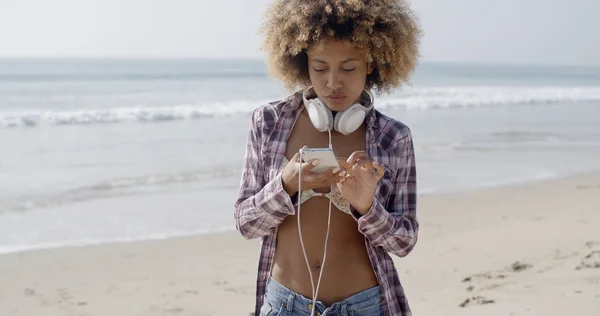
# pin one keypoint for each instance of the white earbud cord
(315, 292)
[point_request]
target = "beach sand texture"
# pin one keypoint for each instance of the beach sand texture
(530, 249)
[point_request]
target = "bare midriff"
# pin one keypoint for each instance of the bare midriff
(347, 269)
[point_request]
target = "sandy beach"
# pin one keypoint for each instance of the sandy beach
(531, 249)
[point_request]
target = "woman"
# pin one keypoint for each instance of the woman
(337, 51)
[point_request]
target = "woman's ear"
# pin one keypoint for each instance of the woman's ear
(370, 68)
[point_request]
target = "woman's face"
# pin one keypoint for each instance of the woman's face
(338, 73)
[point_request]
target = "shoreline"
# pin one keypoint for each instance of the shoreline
(527, 249)
(169, 236)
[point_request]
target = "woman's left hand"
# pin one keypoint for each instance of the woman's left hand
(362, 175)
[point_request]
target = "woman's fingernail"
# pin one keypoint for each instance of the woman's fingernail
(343, 173)
(316, 162)
(349, 159)
(335, 170)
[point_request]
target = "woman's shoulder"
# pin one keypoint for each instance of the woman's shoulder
(391, 132)
(268, 113)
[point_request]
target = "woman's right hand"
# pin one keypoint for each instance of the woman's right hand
(310, 180)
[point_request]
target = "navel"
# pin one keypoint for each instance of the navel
(317, 265)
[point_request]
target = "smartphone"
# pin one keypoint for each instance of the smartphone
(325, 156)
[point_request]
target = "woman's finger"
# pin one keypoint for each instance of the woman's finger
(380, 170)
(355, 156)
(342, 161)
(324, 178)
(327, 175)
(364, 162)
(336, 178)
(295, 158)
(308, 166)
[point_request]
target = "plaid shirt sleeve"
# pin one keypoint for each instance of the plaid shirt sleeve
(260, 205)
(395, 228)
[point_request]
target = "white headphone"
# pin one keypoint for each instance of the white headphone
(344, 122)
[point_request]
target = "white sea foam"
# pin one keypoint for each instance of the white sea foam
(76, 242)
(417, 99)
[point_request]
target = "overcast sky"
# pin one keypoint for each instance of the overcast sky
(513, 31)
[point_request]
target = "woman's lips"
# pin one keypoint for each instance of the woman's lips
(335, 98)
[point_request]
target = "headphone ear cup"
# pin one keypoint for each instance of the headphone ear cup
(348, 121)
(320, 116)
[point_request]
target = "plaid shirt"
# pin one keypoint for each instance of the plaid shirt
(390, 226)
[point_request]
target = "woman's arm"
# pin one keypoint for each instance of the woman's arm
(260, 205)
(395, 228)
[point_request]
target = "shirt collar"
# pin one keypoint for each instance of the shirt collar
(294, 102)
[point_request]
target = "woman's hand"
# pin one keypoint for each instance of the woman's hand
(358, 186)
(310, 180)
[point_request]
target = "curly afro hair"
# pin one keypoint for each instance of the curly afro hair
(385, 31)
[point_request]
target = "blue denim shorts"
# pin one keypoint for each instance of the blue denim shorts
(280, 300)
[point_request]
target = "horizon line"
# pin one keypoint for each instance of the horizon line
(262, 59)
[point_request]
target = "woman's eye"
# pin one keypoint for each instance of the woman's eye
(343, 69)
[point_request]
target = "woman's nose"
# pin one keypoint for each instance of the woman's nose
(333, 81)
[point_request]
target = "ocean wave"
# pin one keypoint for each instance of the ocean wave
(116, 187)
(35, 118)
(224, 74)
(416, 99)
(462, 97)
(123, 237)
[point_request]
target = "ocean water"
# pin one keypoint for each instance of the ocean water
(95, 151)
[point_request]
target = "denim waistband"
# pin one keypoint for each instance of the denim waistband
(277, 294)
